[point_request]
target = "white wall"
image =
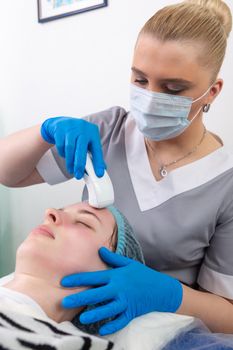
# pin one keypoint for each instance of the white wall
(74, 66)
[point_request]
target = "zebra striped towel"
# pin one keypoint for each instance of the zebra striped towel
(19, 331)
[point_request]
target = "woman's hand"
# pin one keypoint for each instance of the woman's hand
(73, 137)
(131, 289)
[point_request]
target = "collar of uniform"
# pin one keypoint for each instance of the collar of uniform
(151, 193)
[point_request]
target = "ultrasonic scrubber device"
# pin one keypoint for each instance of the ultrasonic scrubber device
(100, 189)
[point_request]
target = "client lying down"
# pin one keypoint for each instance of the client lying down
(31, 312)
(67, 242)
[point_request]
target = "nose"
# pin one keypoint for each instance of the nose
(53, 216)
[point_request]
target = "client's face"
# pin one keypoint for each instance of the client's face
(67, 242)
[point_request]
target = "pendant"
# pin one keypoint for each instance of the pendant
(163, 171)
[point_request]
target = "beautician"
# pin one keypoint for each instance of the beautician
(173, 179)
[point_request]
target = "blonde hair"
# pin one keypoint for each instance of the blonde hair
(207, 22)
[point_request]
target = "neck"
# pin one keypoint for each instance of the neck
(47, 294)
(181, 144)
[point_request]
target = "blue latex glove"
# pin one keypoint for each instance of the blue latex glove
(73, 137)
(131, 288)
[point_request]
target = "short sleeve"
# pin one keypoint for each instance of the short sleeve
(216, 273)
(52, 167)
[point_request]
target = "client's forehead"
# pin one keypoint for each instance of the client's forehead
(83, 206)
(103, 214)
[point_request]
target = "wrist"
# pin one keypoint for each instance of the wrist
(44, 132)
(170, 293)
(176, 296)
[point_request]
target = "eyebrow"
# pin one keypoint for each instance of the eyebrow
(166, 80)
(84, 211)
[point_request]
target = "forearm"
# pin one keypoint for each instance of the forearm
(216, 312)
(19, 154)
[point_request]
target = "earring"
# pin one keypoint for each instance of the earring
(206, 108)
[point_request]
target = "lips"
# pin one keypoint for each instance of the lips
(42, 229)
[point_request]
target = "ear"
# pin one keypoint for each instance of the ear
(215, 91)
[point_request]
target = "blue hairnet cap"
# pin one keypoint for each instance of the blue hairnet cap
(127, 245)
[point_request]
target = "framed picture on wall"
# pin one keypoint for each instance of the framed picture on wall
(49, 10)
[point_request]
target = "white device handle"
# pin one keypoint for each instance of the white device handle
(100, 189)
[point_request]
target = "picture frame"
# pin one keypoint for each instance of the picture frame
(49, 10)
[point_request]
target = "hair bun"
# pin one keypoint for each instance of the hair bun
(220, 9)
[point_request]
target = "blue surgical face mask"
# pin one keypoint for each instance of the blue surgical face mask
(161, 116)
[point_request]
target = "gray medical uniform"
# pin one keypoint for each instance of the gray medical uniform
(184, 222)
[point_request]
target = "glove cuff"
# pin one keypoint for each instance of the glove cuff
(43, 131)
(177, 297)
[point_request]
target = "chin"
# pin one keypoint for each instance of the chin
(33, 261)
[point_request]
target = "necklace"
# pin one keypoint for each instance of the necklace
(163, 167)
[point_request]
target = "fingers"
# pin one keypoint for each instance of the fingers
(73, 138)
(102, 312)
(70, 146)
(88, 297)
(95, 148)
(96, 278)
(59, 138)
(113, 259)
(80, 157)
(114, 326)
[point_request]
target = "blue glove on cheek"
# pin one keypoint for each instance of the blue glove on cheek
(131, 288)
(73, 137)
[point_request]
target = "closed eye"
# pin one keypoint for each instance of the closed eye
(83, 223)
(169, 89)
(172, 88)
(141, 81)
